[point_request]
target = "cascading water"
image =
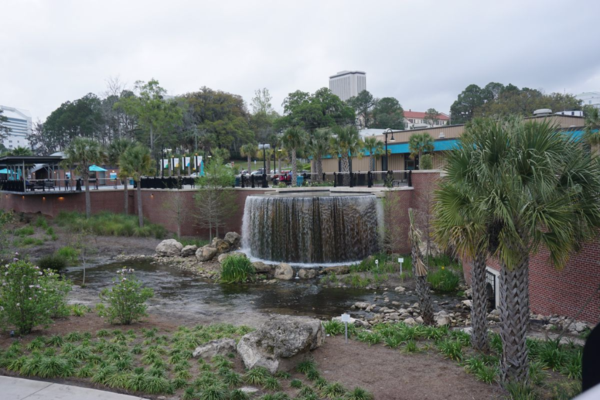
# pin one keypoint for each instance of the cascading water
(311, 229)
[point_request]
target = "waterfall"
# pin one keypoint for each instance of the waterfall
(311, 229)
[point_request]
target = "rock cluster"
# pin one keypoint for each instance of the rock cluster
(172, 248)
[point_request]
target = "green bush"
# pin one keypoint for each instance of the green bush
(53, 262)
(70, 254)
(334, 327)
(126, 300)
(30, 297)
(444, 280)
(109, 224)
(237, 268)
(41, 222)
(31, 241)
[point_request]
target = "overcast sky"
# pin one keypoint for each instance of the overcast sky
(424, 53)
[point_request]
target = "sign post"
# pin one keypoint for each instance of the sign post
(345, 320)
(401, 260)
(377, 265)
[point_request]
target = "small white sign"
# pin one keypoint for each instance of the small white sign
(345, 317)
(400, 260)
(376, 262)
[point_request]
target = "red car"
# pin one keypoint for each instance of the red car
(284, 176)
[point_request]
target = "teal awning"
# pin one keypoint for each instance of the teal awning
(95, 168)
(438, 145)
(5, 171)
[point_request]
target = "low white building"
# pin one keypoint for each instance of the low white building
(19, 123)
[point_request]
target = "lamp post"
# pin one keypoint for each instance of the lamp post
(386, 133)
(264, 147)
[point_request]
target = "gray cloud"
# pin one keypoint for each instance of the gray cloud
(421, 52)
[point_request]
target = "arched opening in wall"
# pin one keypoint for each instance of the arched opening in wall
(492, 288)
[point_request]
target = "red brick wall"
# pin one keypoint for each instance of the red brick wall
(565, 291)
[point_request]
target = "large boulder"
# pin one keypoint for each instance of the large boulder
(221, 245)
(339, 270)
(262, 268)
(280, 337)
(233, 238)
(307, 273)
(189, 251)
(206, 253)
(216, 347)
(284, 272)
(169, 248)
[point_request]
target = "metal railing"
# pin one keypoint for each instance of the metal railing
(341, 179)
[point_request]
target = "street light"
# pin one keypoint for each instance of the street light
(264, 147)
(386, 133)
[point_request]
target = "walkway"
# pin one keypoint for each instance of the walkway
(19, 389)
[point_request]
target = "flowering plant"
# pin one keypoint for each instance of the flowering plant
(30, 296)
(126, 299)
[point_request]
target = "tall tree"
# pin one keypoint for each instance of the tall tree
(592, 126)
(4, 130)
(136, 162)
(375, 148)
(420, 143)
(362, 104)
(432, 116)
(387, 113)
(261, 102)
(319, 144)
(83, 153)
(463, 109)
(249, 150)
(116, 149)
(293, 139)
(322, 109)
(346, 142)
(156, 117)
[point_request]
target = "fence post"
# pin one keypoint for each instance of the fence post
(369, 179)
(334, 179)
(242, 180)
(323, 176)
(410, 178)
(352, 179)
(264, 181)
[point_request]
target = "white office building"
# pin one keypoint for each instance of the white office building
(19, 123)
(346, 84)
(589, 99)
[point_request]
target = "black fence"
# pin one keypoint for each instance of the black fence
(341, 179)
(166, 183)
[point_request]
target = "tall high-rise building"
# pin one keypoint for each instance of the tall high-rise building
(346, 84)
(19, 123)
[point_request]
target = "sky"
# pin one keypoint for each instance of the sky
(424, 53)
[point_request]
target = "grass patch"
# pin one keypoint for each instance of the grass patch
(70, 254)
(443, 280)
(237, 268)
(109, 224)
(24, 231)
(53, 262)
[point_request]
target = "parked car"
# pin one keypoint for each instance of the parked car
(284, 176)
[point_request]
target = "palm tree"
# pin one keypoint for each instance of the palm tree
(115, 150)
(20, 151)
(420, 272)
(294, 138)
(84, 153)
(319, 145)
(538, 188)
(592, 126)
(137, 162)
(375, 148)
(420, 143)
(249, 150)
(346, 142)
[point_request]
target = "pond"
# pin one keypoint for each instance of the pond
(179, 292)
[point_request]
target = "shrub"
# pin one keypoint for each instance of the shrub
(443, 280)
(53, 262)
(25, 231)
(126, 299)
(237, 269)
(41, 222)
(30, 296)
(333, 327)
(109, 224)
(70, 254)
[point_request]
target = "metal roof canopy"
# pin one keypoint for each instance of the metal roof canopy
(29, 160)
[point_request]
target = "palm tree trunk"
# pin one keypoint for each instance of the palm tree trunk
(422, 286)
(514, 319)
(126, 196)
(319, 168)
(346, 169)
(293, 167)
(479, 338)
(370, 163)
(88, 202)
(139, 204)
